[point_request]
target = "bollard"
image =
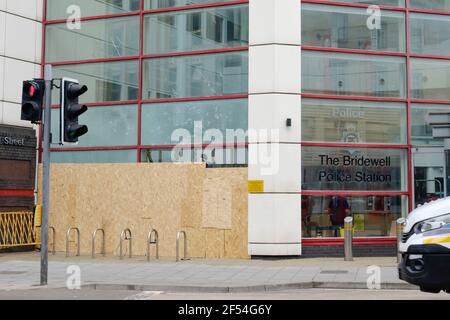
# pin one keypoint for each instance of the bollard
(179, 234)
(67, 241)
(400, 225)
(54, 239)
(348, 238)
(155, 241)
(94, 236)
(125, 236)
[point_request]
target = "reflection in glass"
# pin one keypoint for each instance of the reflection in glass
(221, 27)
(96, 39)
(353, 74)
(340, 27)
(108, 126)
(63, 9)
(429, 174)
(161, 120)
(430, 79)
(440, 5)
(158, 4)
(429, 34)
(196, 76)
(355, 169)
(102, 156)
(211, 156)
(353, 121)
(108, 81)
(391, 3)
(373, 216)
(421, 132)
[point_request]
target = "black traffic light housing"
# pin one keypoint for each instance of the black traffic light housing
(71, 110)
(32, 100)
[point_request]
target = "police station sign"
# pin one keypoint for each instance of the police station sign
(330, 168)
(348, 161)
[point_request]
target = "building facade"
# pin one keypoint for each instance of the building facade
(326, 102)
(20, 59)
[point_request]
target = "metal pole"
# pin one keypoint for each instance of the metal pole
(348, 238)
(177, 258)
(447, 165)
(400, 224)
(46, 173)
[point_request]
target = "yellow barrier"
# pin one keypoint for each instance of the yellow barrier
(17, 229)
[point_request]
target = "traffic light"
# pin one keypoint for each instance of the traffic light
(71, 110)
(32, 100)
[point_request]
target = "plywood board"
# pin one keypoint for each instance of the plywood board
(167, 197)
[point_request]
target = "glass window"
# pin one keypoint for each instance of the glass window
(158, 4)
(391, 3)
(108, 126)
(196, 76)
(420, 130)
(221, 27)
(198, 122)
(353, 74)
(430, 79)
(103, 156)
(64, 9)
(96, 39)
(109, 81)
(440, 5)
(429, 174)
(373, 216)
(355, 169)
(353, 121)
(212, 156)
(340, 27)
(429, 34)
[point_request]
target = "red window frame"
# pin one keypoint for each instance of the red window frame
(141, 57)
(139, 147)
(408, 101)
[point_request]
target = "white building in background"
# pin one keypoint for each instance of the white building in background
(20, 59)
(20, 54)
(349, 99)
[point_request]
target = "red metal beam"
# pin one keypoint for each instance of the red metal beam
(17, 193)
(314, 242)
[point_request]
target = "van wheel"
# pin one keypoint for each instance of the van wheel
(430, 290)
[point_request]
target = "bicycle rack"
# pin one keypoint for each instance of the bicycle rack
(123, 237)
(94, 235)
(54, 240)
(154, 233)
(78, 241)
(178, 245)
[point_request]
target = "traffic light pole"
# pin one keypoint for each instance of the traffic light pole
(46, 173)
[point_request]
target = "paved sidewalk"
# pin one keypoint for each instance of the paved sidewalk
(21, 271)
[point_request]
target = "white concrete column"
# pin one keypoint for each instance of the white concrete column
(274, 150)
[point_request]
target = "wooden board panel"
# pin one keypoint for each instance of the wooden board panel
(210, 204)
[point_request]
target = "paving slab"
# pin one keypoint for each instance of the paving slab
(200, 275)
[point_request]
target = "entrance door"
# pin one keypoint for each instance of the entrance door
(429, 173)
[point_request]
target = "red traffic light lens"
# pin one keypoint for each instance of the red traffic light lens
(31, 90)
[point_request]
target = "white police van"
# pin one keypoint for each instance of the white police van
(425, 247)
